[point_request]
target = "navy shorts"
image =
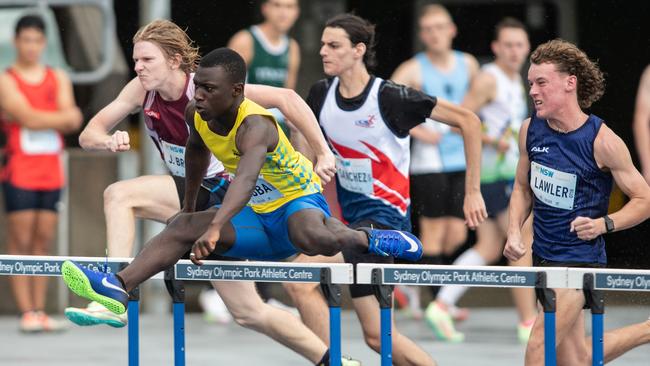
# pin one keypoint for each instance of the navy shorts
(212, 191)
(18, 199)
(496, 196)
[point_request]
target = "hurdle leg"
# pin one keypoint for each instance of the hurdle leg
(595, 301)
(384, 295)
(332, 294)
(133, 314)
(546, 297)
(176, 290)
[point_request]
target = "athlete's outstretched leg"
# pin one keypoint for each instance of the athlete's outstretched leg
(251, 312)
(150, 197)
(315, 233)
(168, 247)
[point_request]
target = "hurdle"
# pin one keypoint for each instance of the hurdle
(382, 276)
(593, 282)
(330, 276)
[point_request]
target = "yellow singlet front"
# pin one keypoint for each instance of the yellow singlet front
(286, 173)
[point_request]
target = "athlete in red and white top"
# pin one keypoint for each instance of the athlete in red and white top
(36, 106)
(367, 121)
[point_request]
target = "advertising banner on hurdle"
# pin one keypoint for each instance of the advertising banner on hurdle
(611, 279)
(261, 271)
(431, 275)
(51, 266)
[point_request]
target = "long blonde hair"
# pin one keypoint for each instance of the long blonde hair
(172, 40)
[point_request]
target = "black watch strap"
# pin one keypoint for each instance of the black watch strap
(609, 224)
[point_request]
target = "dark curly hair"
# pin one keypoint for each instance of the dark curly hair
(569, 59)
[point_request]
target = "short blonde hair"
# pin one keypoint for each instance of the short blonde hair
(172, 40)
(432, 9)
(569, 59)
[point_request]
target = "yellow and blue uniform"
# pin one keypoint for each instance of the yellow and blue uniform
(286, 184)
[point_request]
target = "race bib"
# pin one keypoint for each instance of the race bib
(553, 187)
(264, 192)
(35, 142)
(174, 158)
(355, 175)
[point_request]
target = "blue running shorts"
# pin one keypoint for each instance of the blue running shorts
(265, 236)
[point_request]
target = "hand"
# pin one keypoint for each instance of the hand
(118, 142)
(325, 166)
(514, 248)
(205, 244)
(502, 145)
(588, 229)
(474, 209)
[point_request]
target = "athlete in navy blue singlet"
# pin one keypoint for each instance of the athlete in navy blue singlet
(567, 162)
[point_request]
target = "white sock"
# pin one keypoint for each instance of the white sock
(450, 294)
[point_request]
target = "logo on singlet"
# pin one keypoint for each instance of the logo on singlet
(539, 149)
(152, 114)
(367, 123)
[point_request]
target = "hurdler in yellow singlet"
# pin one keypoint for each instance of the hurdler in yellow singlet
(286, 173)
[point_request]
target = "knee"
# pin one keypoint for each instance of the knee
(299, 291)
(116, 194)
(535, 345)
(250, 318)
(373, 339)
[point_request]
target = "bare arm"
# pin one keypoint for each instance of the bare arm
(408, 73)
(197, 161)
(294, 65)
(470, 128)
(66, 102)
(520, 201)
(96, 135)
(14, 103)
(242, 43)
(472, 66)
(482, 90)
(611, 153)
(255, 137)
(298, 112)
(642, 123)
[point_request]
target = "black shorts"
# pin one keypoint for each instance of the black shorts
(496, 196)
(541, 262)
(18, 199)
(355, 256)
(438, 194)
(211, 193)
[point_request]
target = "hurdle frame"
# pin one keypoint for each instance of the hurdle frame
(439, 275)
(328, 275)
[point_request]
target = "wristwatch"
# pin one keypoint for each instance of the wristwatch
(609, 224)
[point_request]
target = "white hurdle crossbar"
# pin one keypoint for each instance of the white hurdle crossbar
(329, 275)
